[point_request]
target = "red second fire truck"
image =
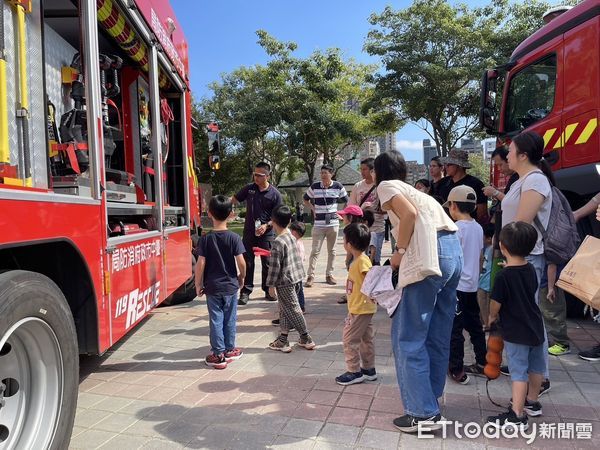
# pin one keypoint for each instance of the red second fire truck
(98, 194)
(551, 85)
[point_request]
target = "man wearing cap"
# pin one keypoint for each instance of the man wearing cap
(261, 199)
(322, 198)
(364, 195)
(455, 165)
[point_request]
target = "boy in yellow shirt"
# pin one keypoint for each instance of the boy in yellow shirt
(358, 330)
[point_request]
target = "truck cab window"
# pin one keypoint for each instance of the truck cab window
(531, 94)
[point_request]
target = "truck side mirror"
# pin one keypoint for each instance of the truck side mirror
(488, 108)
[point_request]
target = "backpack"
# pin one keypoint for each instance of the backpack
(561, 238)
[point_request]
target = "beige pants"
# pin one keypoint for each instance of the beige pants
(358, 342)
(319, 234)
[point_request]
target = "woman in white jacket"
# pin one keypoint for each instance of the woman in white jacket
(429, 259)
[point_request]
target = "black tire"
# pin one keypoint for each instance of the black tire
(31, 302)
(184, 293)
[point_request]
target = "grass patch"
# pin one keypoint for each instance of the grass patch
(238, 228)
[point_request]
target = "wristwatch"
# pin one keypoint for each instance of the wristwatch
(401, 250)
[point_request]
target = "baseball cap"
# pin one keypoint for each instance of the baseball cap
(351, 210)
(465, 194)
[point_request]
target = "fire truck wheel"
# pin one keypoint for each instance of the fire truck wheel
(39, 363)
(186, 292)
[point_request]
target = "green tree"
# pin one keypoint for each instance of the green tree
(480, 168)
(233, 173)
(293, 109)
(434, 54)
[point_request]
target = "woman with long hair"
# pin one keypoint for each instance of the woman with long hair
(429, 260)
(530, 198)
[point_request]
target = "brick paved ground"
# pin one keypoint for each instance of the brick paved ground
(153, 390)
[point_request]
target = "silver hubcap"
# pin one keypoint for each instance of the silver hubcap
(31, 385)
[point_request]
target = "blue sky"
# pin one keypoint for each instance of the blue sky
(222, 37)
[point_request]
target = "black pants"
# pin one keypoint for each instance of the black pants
(466, 318)
(256, 241)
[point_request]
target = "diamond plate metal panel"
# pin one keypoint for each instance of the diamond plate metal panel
(11, 82)
(37, 122)
(59, 53)
(37, 103)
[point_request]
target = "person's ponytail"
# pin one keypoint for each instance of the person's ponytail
(531, 144)
(544, 166)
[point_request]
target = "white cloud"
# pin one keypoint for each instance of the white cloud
(404, 144)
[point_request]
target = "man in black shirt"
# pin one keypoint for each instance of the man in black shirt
(261, 199)
(455, 165)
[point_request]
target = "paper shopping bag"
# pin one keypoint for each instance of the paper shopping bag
(581, 275)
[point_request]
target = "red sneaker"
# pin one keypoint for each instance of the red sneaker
(233, 354)
(216, 361)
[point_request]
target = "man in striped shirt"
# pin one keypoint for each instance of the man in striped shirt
(323, 198)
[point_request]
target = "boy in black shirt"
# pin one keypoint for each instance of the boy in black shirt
(218, 278)
(521, 324)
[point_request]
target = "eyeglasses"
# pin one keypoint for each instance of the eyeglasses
(257, 174)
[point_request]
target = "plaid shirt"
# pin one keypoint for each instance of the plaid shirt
(285, 263)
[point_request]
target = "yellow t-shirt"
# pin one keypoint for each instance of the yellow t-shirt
(359, 303)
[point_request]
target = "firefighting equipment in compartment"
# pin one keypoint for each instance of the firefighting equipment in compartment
(73, 124)
(116, 25)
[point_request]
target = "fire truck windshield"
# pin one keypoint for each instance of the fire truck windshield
(530, 95)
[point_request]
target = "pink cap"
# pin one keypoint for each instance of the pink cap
(351, 210)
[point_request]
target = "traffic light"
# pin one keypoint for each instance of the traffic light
(214, 146)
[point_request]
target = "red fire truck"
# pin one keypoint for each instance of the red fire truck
(98, 194)
(551, 84)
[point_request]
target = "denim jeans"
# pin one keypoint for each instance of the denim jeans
(222, 312)
(377, 239)
(539, 264)
(421, 328)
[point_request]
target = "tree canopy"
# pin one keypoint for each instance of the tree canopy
(293, 109)
(434, 53)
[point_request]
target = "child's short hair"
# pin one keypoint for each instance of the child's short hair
(358, 236)
(518, 238)
(424, 181)
(464, 207)
(488, 230)
(282, 216)
(220, 207)
(298, 227)
(368, 218)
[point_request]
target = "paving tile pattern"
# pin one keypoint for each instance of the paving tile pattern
(153, 390)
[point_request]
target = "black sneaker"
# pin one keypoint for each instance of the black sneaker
(593, 354)
(410, 424)
(532, 409)
(475, 369)
(244, 297)
(509, 420)
(460, 377)
(369, 374)
(545, 387)
(504, 370)
(348, 378)
(269, 297)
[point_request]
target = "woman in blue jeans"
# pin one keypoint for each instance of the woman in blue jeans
(429, 259)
